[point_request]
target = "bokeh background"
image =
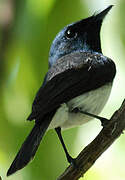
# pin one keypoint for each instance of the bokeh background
(27, 28)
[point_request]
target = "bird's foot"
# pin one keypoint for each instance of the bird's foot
(72, 161)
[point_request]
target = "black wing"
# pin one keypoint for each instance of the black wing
(78, 78)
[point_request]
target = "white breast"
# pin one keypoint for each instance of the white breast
(92, 102)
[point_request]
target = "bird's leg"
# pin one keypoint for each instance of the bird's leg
(69, 158)
(103, 120)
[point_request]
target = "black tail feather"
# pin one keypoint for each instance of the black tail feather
(29, 147)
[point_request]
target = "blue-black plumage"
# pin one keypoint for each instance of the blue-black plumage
(79, 77)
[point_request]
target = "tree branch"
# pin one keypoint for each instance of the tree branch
(93, 151)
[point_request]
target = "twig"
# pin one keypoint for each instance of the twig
(93, 151)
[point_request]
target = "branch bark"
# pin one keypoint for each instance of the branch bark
(93, 151)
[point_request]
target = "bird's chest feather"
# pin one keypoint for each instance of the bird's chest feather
(92, 102)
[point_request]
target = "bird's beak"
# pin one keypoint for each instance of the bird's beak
(96, 17)
(101, 15)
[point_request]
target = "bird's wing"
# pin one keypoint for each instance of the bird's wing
(77, 79)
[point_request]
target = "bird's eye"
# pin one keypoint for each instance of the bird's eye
(70, 34)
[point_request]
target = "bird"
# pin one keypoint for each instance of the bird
(75, 88)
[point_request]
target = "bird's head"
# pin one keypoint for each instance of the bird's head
(82, 36)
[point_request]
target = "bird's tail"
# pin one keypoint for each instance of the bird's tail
(29, 147)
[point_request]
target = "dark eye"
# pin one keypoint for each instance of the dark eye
(70, 34)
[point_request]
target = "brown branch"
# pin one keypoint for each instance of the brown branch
(94, 150)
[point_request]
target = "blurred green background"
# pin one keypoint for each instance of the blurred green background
(27, 28)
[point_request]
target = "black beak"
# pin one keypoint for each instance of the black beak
(102, 14)
(96, 17)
